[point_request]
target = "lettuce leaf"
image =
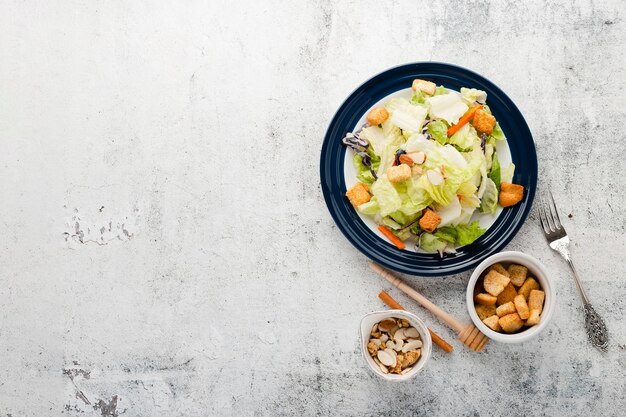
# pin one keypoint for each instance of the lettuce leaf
(408, 117)
(376, 138)
(464, 138)
(494, 174)
(447, 233)
(430, 243)
(438, 130)
(489, 200)
(506, 173)
(497, 133)
(440, 91)
(472, 95)
(418, 98)
(449, 107)
(363, 173)
(388, 198)
(468, 233)
(370, 208)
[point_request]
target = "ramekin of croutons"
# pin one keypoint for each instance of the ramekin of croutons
(395, 343)
(510, 298)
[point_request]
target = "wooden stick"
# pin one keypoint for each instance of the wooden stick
(387, 299)
(428, 305)
(468, 333)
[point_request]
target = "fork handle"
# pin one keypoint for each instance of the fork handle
(576, 279)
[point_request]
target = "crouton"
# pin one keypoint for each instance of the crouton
(495, 282)
(429, 221)
(483, 121)
(485, 311)
(492, 323)
(518, 274)
(521, 307)
(358, 194)
(399, 173)
(377, 115)
(507, 295)
(510, 194)
(485, 299)
(528, 285)
(535, 300)
(427, 87)
(505, 309)
(499, 269)
(533, 318)
(511, 323)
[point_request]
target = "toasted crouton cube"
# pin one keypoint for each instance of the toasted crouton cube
(535, 300)
(358, 194)
(499, 269)
(510, 194)
(399, 173)
(492, 323)
(518, 274)
(511, 323)
(429, 221)
(483, 122)
(485, 311)
(528, 285)
(495, 282)
(377, 115)
(533, 318)
(507, 295)
(427, 87)
(521, 307)
(505, 309)
(485, 299)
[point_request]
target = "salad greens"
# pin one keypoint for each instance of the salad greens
(430, 165)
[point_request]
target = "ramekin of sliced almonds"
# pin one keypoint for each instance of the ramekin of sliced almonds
(395, 343)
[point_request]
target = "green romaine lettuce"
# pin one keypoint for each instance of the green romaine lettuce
(468, 233)
(506, 173)
(494, 174)
(418, 98)
(439, 131)
(370, 208)
(388, 198)
(497, 133)
(489, 201)
(408, 117)
(430, 243)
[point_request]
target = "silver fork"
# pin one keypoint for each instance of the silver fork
(558, 240)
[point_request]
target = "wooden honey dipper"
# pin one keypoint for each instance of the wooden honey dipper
(467, 333)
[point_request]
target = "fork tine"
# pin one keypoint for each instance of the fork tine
(542, 217)
(556, 218)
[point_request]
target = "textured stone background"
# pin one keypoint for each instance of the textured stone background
(166, 249)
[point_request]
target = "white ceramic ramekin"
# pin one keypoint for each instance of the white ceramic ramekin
(427, 344)
(535, 270)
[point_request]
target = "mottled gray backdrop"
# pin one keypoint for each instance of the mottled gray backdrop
(165, 247)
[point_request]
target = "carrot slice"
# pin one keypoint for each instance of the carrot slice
(393, 238)
(463, 120)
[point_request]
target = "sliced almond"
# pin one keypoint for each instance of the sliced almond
(384, 337)
(389, 344)
(399, 334)
(377, 342)
(411, 332)
(399, 345)
(374, 328)
(417, 157)
(434, 177)
(405, 370)
(412, 345)
(393, 354)
(382, 367)
(386, 358)
(386, 325)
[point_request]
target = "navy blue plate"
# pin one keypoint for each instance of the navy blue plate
(520, 143)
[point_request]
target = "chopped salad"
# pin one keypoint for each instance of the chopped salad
(426, 164)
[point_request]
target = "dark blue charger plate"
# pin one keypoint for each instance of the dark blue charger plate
(500, 233)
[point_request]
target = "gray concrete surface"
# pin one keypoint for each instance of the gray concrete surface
(166, 250)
